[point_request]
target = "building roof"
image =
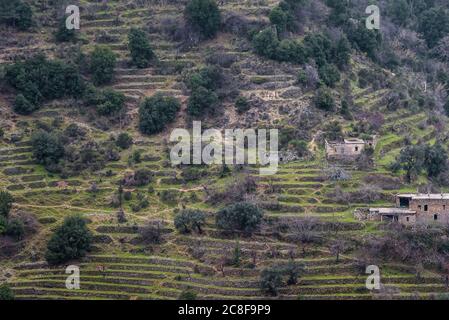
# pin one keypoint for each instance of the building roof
(396, 211)
(354, 141)
(425, 196)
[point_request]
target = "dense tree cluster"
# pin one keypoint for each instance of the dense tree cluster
(12, 226)
(267, 44)
(281, 18)
(5, 292)
(139, 46)
(242, 104)
(413, 159)
(328, 55)
(329, 74)
(202, 85)
(63, 34)
(6, 201)
(48, 148)
(156, 112)
(109, 102)
(241, 216)
(324, 99)
(102, 64)
(365, 40)
(278, 275)
(60, 151)
(16, 13)
(190, 220)
(124, 140)
(38, 79)
(434, 25)
(71, 240)
(204, 16)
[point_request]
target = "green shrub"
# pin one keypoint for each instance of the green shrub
(6, 292)
(204, 16)
(318, 47)
(270, 281)
(242, 216)
(102, 64)
(73, 131)
(142, 177)
(293, 271)
(15, 229)
(3, 224)
(72, 240)
(47, 147)
(187, 295)
(6, 201)
(63, 34)
(124, 140)
(446, 107)
(434, 25)
(329, 74)
(16, 13)
(127, 195)
(300, 147)
(201, 101)
(324, 99)
(340, 12)
(302, 77)
(344, 111)
(266, 43)
(23, 106)
(400, 11)
(139, 46)
(241, 104)
(169, 196)
(135, 157)
(435, 160)
(191, 173)
(411, 159)
(156, 112)
(366, 40)
(189, 220)
(209, 77)
(342, 52)
(39, 79)
(111, 102)
(281, 19)
(291, 51)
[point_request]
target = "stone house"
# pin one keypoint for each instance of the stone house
(347, 149)
(413, 208)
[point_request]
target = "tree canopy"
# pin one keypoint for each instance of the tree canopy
(156, 112)
(242, 216)
(139, 46)
(204, 16)
(6, 201)
(71, 240)
(102, 64)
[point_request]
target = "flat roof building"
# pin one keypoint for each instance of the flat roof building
(349, 148)
(415, 208)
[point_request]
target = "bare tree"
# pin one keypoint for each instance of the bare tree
(337, 247)
(305, 232)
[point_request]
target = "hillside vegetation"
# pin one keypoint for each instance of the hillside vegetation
(85, 171)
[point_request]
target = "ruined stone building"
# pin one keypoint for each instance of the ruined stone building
(413, 208)
(347, 149)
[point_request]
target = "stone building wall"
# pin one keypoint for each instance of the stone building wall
(344, 149)
(436, 208)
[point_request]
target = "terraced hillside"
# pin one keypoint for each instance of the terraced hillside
(124, 263)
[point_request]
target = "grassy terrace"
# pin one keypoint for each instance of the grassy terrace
(133, 270)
